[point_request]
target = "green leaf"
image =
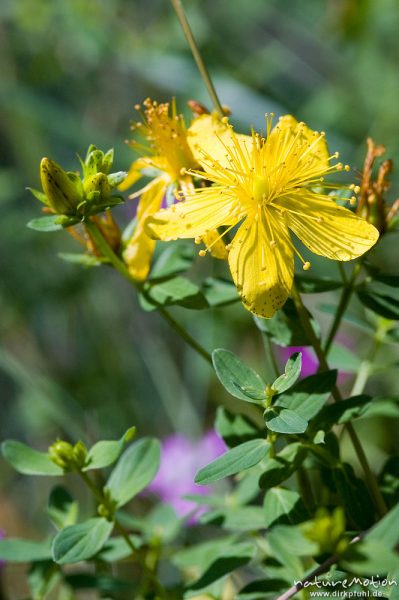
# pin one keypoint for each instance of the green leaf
(175, 259)
(28, 461)
(39, 196)
(341, 412)
(177, 291)
(292, 371)
(203, 554)
(355, 496)
(369, 556)
(262, 589)
(309, 395)
(343, 359)
(282, 506)
(135, 470)
(219, 292)
(386, 531)
(62, 508)
(116, 548)
(24, 551)
(233, 558)
(316, 285)
(284, 420)
(42, 577)
(381, 304)
(234, 429)
(233, 461)
(284, 328)
(282, 466)
(100, 583)
(106, 452)
(86, 260)
(238, 379)
(237, 518)
(80, 542)
(52, 223)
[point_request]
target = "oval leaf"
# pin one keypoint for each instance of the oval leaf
(107, 452)
(291, 373)
(134, 471)
(238, 379)
(16, 550)
(82, 541)
(284, 421)
(28, 461)
(235, 460)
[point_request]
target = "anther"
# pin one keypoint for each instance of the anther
(202, 253)
(225, 120)
(273, 243)
(306, 266)
(197, 240)
(347, 168)
(353, 200)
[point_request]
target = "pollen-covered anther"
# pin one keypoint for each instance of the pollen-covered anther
(183, 171)
(273, 243)
(347, 168)
(306, 266)
(225, 120)
(197, 240)
(202, 253)
(339, 166)
(353, 200)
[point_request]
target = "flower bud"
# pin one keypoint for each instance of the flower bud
(79, 454)
(68, 457)
(61, 453)
(97, 186)
(63, 190)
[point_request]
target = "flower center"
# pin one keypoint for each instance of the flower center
(260, 189)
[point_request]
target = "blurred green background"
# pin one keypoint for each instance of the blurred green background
(78, 358)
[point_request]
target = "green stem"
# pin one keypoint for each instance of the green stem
(314, 340)
(342, 305)
(366, 366)
(116, 262)
(181, 15)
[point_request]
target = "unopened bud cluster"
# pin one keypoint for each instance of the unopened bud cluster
(67, 456)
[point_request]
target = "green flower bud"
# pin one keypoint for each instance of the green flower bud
(61, 453)
(63, 190)
(79, 454)
(328, 530)
(96, 187)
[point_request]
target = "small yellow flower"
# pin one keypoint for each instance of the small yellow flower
(168, 153)
(268, 186)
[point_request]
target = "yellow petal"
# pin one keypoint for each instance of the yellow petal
(210, 140)
(140, 248)
(208, 209)
(214, 242)
(327, 228)
(318, 151)
(262, 263)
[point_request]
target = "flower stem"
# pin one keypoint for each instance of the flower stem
(116, 262)
(314, 340)
(343, 305)
(181, 15)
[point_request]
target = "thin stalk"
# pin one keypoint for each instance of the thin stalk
(181, 15)
(314, 340)
(116, 262)
(342, 305)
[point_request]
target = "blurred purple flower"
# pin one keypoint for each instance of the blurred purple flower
(181, 458)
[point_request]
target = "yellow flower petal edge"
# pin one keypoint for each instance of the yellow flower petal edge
(140, 248)
(268, 186)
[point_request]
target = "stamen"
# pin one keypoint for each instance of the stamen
(306, 266)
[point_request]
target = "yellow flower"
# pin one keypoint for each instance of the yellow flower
(166, 153)
(267, 186)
